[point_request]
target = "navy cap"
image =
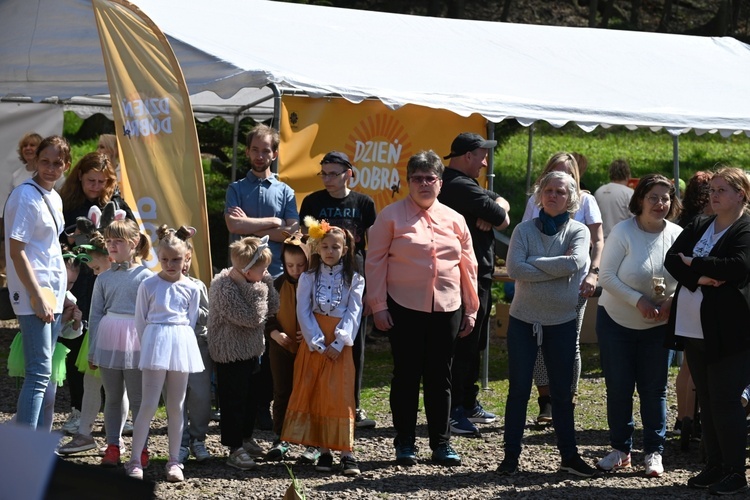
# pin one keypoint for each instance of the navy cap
(337, 157)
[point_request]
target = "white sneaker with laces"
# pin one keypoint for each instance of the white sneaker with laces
(654, 467)
(615, 460)
(71, 425)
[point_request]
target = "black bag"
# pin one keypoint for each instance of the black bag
(6, 309)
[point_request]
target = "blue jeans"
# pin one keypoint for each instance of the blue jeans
(634, 359)
(39, 340)
(558, 345)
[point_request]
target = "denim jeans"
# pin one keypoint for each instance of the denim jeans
(39, 340)
(634, 359)
(558, 345)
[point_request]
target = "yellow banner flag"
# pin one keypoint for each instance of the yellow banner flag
(377, 139)
(162, 177)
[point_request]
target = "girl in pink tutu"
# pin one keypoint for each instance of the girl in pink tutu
(114, 346)
(166, 310)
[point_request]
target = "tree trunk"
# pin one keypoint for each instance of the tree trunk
(607, 12)
(635, 14)
(666, 17)
(593, 8)
(506, 10)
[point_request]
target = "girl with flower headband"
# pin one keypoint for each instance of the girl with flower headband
(114, 343)
(166, 312)
(94, 254)
(241, 298)
(329, 308)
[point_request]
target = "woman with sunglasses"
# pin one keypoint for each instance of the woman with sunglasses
(631, 322)
(421, 286)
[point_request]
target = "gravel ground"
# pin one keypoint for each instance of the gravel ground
(382, 478)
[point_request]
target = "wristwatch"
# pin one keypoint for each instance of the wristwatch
(594, 270)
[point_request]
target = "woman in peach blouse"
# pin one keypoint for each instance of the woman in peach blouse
(421, 287)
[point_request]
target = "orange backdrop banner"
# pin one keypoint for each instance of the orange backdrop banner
(378, 140)
(162, 176)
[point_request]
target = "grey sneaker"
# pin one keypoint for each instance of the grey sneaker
(78, 444)
(127, 428)
(252, 448)
(198, 448)
(240, 459)
(71, 425)
(184, 454)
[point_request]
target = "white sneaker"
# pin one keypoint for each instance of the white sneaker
(71, 425)
(241, 460)
(78, 444)
(615, 460)
(654, 467)
(252, 448)
(174, 472)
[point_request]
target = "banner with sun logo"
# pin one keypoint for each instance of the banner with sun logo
(378, 140)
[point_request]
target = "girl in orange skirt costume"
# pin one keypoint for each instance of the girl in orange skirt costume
(329, 306)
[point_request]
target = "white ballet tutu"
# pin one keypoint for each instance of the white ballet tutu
(116, 344)
(170, 347)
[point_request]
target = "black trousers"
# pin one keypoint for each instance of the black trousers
(358, 352)
(238, 393)
(422, 347)
(718, 387)
(73, 378)
(465, 371)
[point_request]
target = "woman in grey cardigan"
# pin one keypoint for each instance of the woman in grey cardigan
(546, 258)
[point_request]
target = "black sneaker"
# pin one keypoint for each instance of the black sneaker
(545, 410)
(325, 463)
(406, 453)
(349, 466)
(277, 451)
(576, 466)
(706, 477)
(731, 484)
(445, 455)
(508, 466)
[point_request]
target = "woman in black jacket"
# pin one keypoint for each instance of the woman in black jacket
(710, 316)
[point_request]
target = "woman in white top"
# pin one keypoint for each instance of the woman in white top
(588, 214)
(711, 262)
(631, 322)
(33, 223)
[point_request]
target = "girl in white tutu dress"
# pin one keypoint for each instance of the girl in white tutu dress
(114, 346)
(166, 311)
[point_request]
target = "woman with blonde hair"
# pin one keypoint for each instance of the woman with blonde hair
(108, 146)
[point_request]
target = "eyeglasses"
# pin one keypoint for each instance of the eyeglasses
(653, 199)
(423, 179)
(330, 175)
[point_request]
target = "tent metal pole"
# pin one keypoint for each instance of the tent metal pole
(676, 164)
(490, 186)
(235, 133)
(529, 152)
(276, 122)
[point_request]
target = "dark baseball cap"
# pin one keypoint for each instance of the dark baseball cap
(337, 157)
(468, 142)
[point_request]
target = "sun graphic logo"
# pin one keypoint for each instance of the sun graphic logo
(380, 148)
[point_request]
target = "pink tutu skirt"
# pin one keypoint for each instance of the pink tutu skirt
(170, 347)
(116, 344)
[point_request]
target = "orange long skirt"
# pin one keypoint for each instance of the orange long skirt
(321, 407)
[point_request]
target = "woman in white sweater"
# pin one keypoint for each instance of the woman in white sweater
(631, 322)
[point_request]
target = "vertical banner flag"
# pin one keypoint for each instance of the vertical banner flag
(162, 177)
(378, 140)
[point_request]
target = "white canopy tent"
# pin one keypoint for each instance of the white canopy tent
(588, 76)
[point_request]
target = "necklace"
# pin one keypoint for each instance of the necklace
(658, 286)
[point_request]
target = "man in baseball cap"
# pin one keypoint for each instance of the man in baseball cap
(484, 211)
(467, 142)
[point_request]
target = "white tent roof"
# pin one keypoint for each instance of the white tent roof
(587, 76)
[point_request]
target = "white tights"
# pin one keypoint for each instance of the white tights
(153, 381)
